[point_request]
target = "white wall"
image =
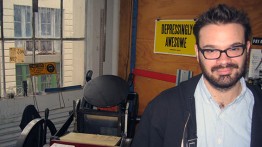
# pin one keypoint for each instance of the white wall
(94, 44)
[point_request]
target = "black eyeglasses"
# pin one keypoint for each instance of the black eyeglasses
(232, 52)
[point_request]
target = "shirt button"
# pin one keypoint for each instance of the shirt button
(219, 141)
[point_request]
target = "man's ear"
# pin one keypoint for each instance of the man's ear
(248, 46)
(196, 51)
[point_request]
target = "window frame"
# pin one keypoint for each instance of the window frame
(60, 39)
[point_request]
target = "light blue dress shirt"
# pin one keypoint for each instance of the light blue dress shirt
(227, 127)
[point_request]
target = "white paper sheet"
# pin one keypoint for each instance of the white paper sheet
(255, 64)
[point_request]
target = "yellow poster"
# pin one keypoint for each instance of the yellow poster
(42, 68)
(174, 37)
(17, 55)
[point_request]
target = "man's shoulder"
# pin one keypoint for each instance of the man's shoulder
(256, 90)
(184, 89)
(185, 86)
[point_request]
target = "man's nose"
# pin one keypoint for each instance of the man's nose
(224, 58)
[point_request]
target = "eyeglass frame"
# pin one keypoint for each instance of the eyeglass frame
(222, 51)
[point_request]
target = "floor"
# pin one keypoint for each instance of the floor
(10, 131)
(11, 112)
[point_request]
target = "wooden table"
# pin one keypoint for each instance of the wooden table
(86, 140)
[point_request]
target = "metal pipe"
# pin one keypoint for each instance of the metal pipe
(61, 42)
(3, 49)
(85, 42)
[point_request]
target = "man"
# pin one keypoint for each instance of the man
(25, 88)
(216, 108)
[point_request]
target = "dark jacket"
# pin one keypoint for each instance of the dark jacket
(170, 117)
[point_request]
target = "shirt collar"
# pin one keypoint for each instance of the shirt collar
(208, 96)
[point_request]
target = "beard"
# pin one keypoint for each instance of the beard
(224, 82)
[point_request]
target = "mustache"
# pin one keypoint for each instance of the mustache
(230, 65)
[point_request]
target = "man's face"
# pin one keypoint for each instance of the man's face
(224, 72)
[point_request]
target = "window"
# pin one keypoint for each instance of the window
(47, 35)
(44, 47)
(47, 25)
(22, 21)
(48, 22)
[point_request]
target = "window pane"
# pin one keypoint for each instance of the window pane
(17, 13)
(57, 23)
(19, 75)
(45, 21)
(20, 14)
(28, 22)
(28, 30)
(73, 60)
(74, 23)
(18, 24)
(10, 68)
(48, 19)
(18, 71)
(48, 81)
(46, 46)
(18, 29)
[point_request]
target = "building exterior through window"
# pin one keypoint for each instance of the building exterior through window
(39, 35)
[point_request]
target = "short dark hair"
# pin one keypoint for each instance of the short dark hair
(222, 14)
